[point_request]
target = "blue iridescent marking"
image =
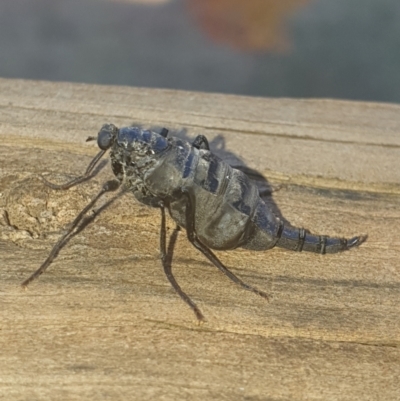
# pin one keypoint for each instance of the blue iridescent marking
(147, 136)
(212, 174)
(129, 135)
(188, 165)
(160, 144)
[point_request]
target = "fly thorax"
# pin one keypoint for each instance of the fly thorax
(130, 165)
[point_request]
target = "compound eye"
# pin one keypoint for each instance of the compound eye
(106, 136)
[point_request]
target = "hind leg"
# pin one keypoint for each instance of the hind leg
(192, 237)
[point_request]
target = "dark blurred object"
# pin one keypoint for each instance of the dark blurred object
(246, 25)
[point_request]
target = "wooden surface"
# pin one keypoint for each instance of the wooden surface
(104, 323)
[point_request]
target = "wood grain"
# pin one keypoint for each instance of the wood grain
(103, 322)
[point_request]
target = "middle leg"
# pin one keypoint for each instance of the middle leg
(166, 259)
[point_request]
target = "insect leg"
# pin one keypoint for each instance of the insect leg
(166, 259)
(192, 237)
(107, 187)
(200, 141)
(79, 179)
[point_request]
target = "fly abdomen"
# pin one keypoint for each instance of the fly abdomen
(298, 239)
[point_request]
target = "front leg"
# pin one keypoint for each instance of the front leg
(76, 227)
(86, 176)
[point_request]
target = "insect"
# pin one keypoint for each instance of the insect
(217, 205)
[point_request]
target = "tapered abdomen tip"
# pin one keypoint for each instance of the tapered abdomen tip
(356, 241)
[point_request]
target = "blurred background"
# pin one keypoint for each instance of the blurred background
(294, 48)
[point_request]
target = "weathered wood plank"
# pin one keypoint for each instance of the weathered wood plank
(103, 322)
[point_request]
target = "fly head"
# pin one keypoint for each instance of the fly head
(105, 137)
